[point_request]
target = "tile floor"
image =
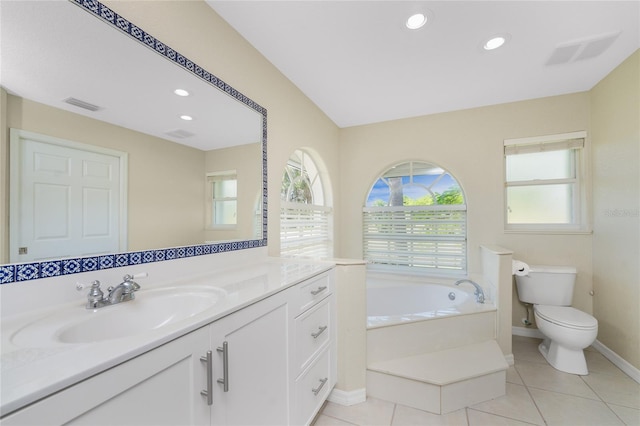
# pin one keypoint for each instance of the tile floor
(537, 394)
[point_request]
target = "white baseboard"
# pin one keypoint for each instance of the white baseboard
(616, 359)
(526, 332)
(509, 359)
(348, 397)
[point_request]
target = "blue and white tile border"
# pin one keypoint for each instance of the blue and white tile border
(14, 273)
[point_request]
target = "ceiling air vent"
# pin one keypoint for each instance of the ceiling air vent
(82, 104)
(581, 49)
(180, 134)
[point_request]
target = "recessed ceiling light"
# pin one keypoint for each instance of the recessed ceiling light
(186, 117)
(495, 42)
(181, 92)
(416, 21)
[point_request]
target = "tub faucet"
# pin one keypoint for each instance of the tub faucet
(479, 293)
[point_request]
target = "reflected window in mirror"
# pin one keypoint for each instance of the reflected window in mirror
(306, 216)
(223, 190)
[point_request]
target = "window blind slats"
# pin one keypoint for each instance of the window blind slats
(423, 237)
(304, 230)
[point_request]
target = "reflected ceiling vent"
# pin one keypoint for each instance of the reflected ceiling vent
(581, 49)
(82, 104)
(180, 134)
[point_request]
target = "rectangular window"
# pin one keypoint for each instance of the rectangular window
(545, 183)
(223, 190)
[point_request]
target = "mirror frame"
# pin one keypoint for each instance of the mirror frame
(18, 272)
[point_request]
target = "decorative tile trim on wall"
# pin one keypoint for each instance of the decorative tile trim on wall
(13, 273)
(55, 268)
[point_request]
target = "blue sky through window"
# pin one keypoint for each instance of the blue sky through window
(380, 190)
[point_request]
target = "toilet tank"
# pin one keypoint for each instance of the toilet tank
(547, 285)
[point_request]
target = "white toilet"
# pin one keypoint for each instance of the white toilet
(567, 330)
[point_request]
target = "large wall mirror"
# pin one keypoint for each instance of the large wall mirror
(91, 96)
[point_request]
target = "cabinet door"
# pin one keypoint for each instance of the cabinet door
(160, 387)
(257, 374)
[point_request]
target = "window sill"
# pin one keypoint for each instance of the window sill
(549, 231)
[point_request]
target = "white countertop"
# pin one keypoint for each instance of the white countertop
(31, 373)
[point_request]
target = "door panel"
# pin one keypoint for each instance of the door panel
(69, 201)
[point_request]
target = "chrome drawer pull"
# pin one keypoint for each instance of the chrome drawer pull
(209, 392)
(318, 290)
(319, 332)
(317, 390)
(225, 366)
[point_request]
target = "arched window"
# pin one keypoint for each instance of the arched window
(415, 219)
(305, 216)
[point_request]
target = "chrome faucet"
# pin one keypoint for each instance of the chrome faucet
(479, 293)
(123, 292)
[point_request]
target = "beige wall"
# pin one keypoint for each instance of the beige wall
(615, 124)
(469, 144)
(166, 180)
(4, 179)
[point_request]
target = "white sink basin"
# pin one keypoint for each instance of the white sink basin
(150, 310)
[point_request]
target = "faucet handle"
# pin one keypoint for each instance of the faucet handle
(95, 295)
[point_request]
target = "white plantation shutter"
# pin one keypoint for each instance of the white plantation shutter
(304, 230)
(429, 238)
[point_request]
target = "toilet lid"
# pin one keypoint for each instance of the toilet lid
(566, 316)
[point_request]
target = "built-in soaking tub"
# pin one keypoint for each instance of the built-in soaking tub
(410, 314)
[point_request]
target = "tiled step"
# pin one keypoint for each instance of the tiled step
(441, 382)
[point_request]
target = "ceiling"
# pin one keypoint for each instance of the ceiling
(358, 62)
(43, 59)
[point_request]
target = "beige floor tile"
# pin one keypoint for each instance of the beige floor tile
(323, 420)
(630, 416)
(517, 404)
(619, 390)
(526, 349)
(513, 376)
(548, 378)
(597, 363)
(561, 409)
(478, 418)
(407, 416)
(372, 412)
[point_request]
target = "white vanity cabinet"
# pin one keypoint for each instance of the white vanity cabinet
(271, 362)
(313, 352)
(252, 388)
(160, 387)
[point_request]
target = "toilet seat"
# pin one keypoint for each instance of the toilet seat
(566, 316)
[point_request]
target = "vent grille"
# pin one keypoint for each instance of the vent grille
(82, 104)
(179, 133)
(581, 49)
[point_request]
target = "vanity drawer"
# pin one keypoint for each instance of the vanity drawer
(313, 291)
(313, 330)
(312, 389)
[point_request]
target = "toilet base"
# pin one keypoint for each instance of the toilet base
(568, 360)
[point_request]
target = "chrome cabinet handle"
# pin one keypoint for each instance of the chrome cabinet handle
(317, 390)
(318, 290)
(209, 392)
(225, 366)
(319, 332)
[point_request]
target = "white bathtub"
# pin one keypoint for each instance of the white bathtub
(394, 299)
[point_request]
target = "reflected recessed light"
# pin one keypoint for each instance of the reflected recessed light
(416, 21)
(181, 92)
(495, 42)
(186, 117)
